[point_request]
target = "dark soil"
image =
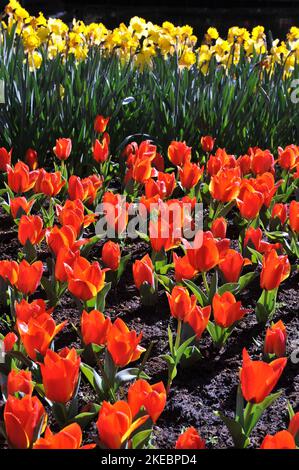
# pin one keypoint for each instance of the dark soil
(197, 392)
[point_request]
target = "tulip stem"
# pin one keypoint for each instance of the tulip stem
(178, 335)
(205, 281)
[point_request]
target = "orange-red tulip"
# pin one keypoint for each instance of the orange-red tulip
(162, 187)
(85, 279)
(117, 213)
(275, 269)
(29, 276)
(259, 378)
(95, 327)
(294, 216)
(225, 185)
(31, 229)
(31, 159)
(180, 302)
(255, 237)
(65, 257)
(280, 211)
(9, 271)
(294, 425)
(206, 256)
(19, 381)
(262, 161)
(5, 158)
(231, 265)
(207, 143)
(58, 238)
(280, 440)
(115, 424)
(219, 227)
(179, 153)
(100, 150)
(190, 439)
(143, 271)
(249, 201)
(69, 437)
(63, 148)
(227, 310)
(198, 319)
(19, 206)
(100, 123)
(111, 255)
(60, 373)
(123, 344)
(275, 341)
(25, 310)
(20, 179)
(190, 174)
(9, 341)
(287, 158)
(244, 163)
(220, 161)
(38, 333)
(266, 185)
(72, 213)
(151, 397)
(49, 184)
(22, 418)
(182, 268)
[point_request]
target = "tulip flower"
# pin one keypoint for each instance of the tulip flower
(9, 341)
(85, 279)
(179, 153)
(100, 123)
(279, 210)
(76, 189)
(227, 310)
(180, 302)
(225, 185)
(63, 148)
(95, 327)
(255, 237)
(69, 437)
(115, 424)
(294, 216)
(49, 184)
(182, 268)
(9, 271)
(29, 276)
(162, 236)
(26, 310)
(162, 187)
(30, 229)
(58, 238)
(142, 169)
(111, 255)
(275, 269)
(20, 179)
(117, 212)
(60, 373)
(280, 440)
(220, 161)
(72, 213)
(151, 397)
(19, 381)
(275, 340)
(207, 143)
(249, 201)
(38, 333)
(31, 159)
(65, 257)
(262, 161)
(20, 205)
(259, 378)
(100, 150)
(266, 185)
(190, 439)
(198, 319)
(231, 265)
(203, 256)
(219, 227)
(123, 344)
(143, 272)
(294, 425)
(22, 418)
(287, 158)
(5, 158)
(244, 162)
(190, 174)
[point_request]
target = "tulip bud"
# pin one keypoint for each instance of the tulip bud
(95, 327)
(111, 255)
(19, 381)
(190, 439)
(207, 143)
(275, 340)
(31, 159)
(63, 148)
(219, 227)
(100, 123)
